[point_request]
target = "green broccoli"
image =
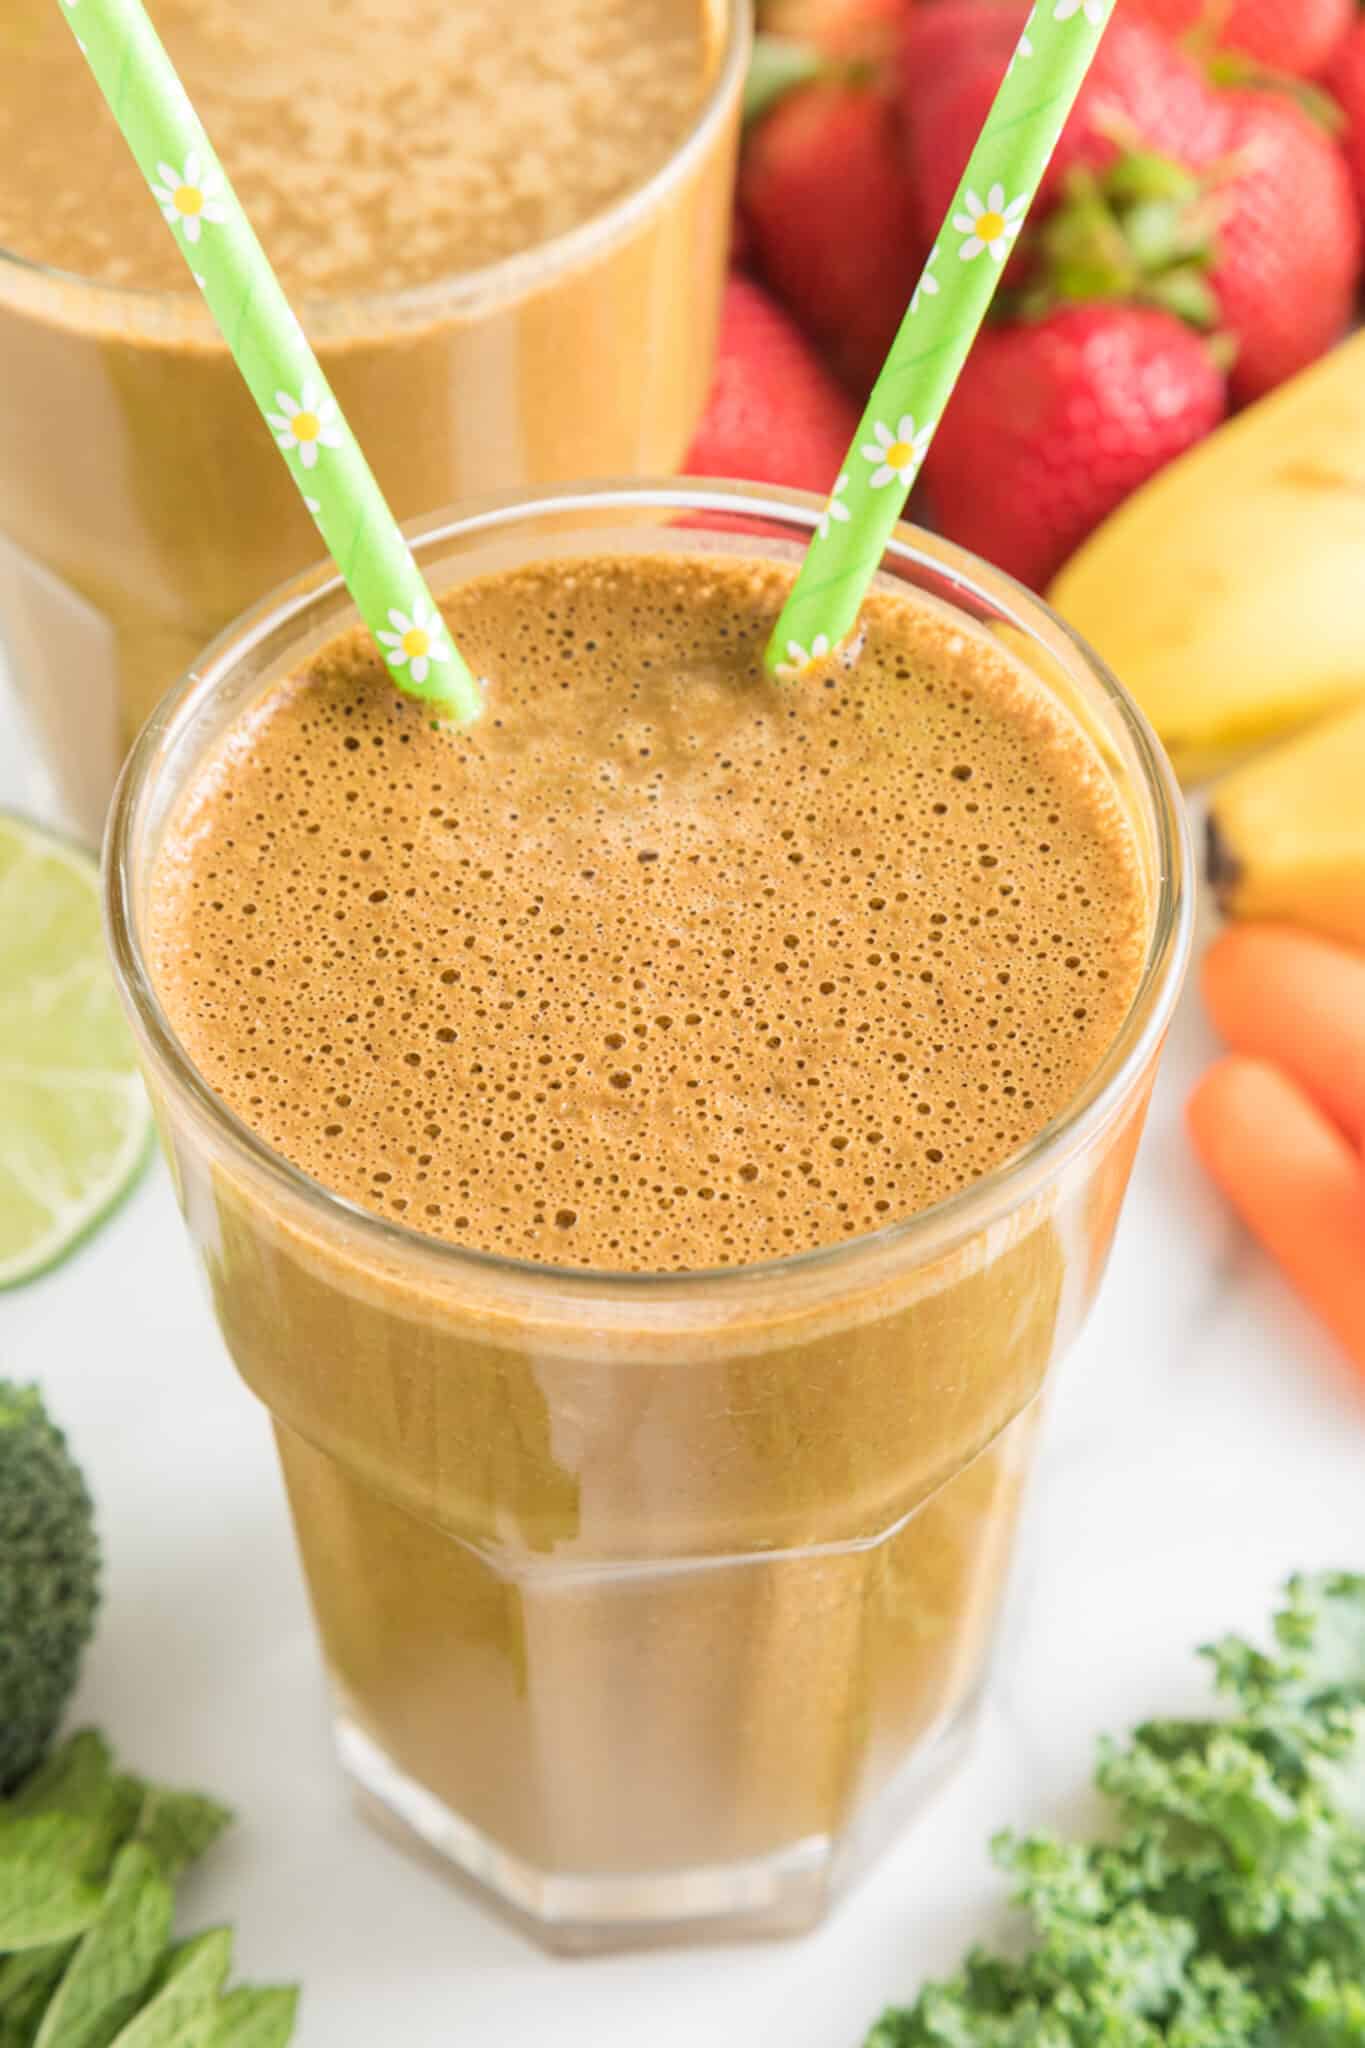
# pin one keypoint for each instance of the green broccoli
(49, 1579)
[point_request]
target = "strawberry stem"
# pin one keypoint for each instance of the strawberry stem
(1232, 70)
(1141, 231)
(777, 66)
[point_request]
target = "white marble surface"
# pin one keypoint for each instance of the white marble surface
(1205, 1440)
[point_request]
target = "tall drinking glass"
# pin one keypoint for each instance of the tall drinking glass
(653, 1601)
(143, 503)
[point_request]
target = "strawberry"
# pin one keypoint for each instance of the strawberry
(775, 413)
(855, 31)
(826, 199)
(1297, 36)
(1265, 246)
(1140, 91)
(1345, 79)
(1054, 421)
(1288, 241)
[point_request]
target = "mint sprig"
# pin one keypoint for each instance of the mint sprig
(115, 1960)
(89, 1858)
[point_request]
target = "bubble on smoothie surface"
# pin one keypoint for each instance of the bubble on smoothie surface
(375, 144)
(663, 965)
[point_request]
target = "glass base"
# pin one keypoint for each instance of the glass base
(570, 1913)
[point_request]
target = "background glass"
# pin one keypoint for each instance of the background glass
(653, 1602)
(143, 502)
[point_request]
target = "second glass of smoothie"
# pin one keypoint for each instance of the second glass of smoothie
(505, 231)
(648, 1153)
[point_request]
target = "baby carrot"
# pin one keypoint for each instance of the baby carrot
(1283, 995)
(1295, 1182)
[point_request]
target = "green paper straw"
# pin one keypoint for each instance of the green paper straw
(260, 327)
(956, 286)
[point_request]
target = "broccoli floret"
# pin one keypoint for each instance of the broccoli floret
(49, 1579)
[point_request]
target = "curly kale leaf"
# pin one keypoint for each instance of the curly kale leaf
(1225, 1908)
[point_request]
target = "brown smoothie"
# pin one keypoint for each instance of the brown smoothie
(660, 968)
(413, 168)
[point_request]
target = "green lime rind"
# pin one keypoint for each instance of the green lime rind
(76, 1128)
(61, 1252)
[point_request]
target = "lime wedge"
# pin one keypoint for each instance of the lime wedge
(75, 1126)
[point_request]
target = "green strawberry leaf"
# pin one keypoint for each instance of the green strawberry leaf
(778, 65)
(116, 1959)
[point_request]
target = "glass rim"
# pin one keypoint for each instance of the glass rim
(924, 1233)
(463, 291)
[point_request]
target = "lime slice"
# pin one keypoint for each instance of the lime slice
(75, 1126)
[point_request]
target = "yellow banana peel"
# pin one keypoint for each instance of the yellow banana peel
(1286, 833)
(1228, 593)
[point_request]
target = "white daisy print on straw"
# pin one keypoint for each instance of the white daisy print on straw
(836, 510)
(417, 641)
(1092, 10)
(307, 423)
(928, 283)
(799, 657)
(897, 455)
(187, 199)
(992, 224)
(1023, 48)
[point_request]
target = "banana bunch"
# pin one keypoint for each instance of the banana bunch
(1229, 595)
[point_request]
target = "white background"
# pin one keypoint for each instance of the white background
(1205, 1440)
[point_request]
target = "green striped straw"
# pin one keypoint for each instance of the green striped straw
(260, 327)
(956, 286)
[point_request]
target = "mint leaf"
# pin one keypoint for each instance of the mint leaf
(28, 1990)
(74, 1779)
(29, 1966)
(45, 1895)
(185, 2012)
(79, 1781)
(252, 2018)
(116, 1959)
(177, 1827)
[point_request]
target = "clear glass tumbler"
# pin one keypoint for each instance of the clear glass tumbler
(143, 503)
(653, 1602)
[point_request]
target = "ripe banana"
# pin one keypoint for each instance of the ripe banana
(1229, 592)
(1286, 833)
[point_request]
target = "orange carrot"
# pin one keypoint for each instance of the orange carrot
(1283, 995)
(1295, 1182)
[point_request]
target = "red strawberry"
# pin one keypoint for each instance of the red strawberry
(942, 42)
(1140, 90)
(1345, 77)
(1288, 241)
(775, 414)
(1287, 35)
(853, 30)
(1054, 421)
(826, 197)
